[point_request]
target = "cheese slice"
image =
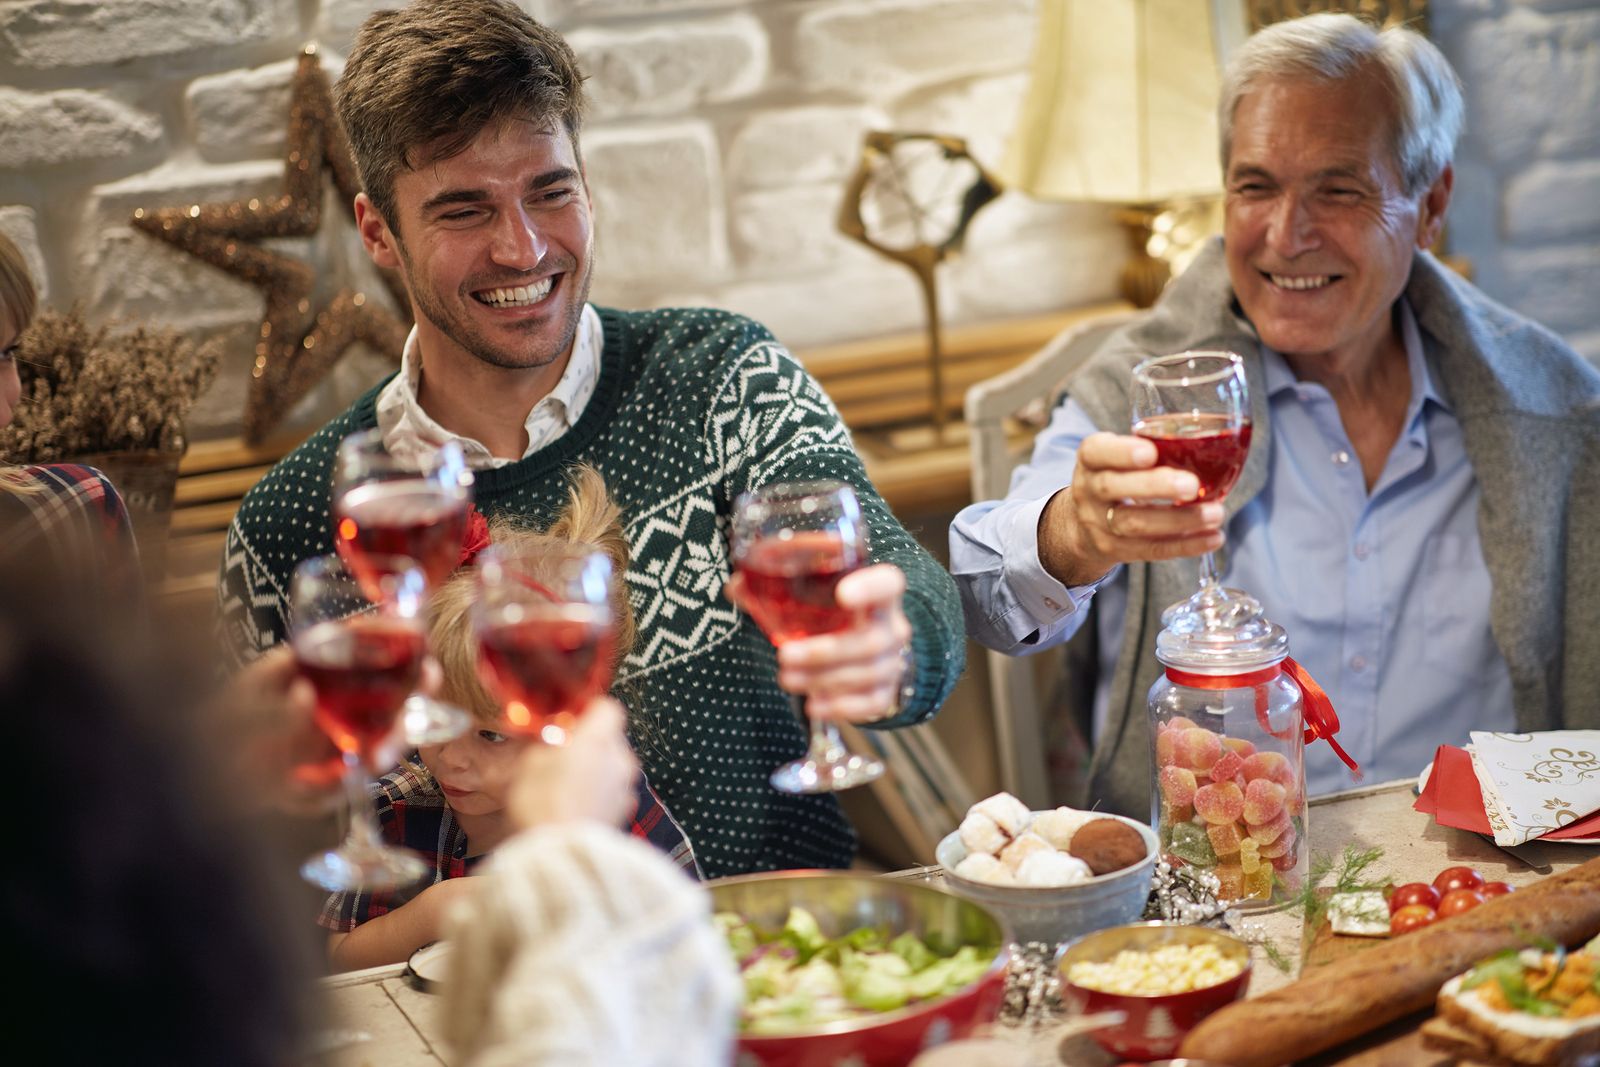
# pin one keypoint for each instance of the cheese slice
(1364, 914)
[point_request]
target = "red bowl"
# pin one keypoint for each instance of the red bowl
(841, 902)
(1156, 1024)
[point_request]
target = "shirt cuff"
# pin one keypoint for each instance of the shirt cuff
(1040, 593)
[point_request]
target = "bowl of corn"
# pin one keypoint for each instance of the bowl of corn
(1163, 976)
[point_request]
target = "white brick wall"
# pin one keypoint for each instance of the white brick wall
(721, 134)
(1527, 203)
(71, 126)
(44, 34)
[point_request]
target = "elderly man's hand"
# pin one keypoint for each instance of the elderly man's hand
(1121, 507)
(854, 674)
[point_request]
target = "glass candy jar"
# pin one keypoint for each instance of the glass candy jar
(1229, 724)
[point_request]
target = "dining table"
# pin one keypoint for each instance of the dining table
(384, 1017)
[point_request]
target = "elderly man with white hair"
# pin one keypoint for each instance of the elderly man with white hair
(1422, 491)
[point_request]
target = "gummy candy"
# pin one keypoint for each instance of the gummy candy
(1224, 838)
(1177, 786)
(1190, 844)
(1196, 749)
(1263, 801)
(1238, 744)
(1268, 832)
(1230, 764)
(1283, 846)
(1258, 883)
(1273, 765)
(1285, 863)
(1231, 878)
(1219, 802)
(1249, 854)
(1178, 722)
(1166, 747)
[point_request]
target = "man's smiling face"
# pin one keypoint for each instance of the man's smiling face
(1319, 232)
(496, 245)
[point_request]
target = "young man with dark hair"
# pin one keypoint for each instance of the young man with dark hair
(464, 118)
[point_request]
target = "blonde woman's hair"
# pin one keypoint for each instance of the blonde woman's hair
(18, 302)
(18, 297)
(590, 518)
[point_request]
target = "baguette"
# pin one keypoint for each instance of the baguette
(1359, 993)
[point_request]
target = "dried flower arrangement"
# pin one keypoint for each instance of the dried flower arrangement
(86, 390)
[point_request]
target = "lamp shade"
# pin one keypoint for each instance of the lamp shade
(1121, 103)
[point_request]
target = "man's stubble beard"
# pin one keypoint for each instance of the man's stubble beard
(461, 333)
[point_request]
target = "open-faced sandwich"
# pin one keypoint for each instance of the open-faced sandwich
(1524, 1007)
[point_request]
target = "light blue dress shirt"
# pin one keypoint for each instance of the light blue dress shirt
(1384, 595)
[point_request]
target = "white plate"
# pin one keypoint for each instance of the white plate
(428, 965)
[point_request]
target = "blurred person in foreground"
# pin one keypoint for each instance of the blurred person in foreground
(1422, 486)
(145, 918)
(150, 922)
(62, 515)
(464, 120)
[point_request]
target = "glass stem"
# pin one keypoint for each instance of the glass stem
(1208, 571)
(362, 833)
(827, 747)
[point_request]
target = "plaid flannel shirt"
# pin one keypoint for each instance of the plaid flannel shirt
(412, 813)
(71, 517)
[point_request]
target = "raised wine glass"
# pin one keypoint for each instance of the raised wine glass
(362, 659)
(793, 542)
(1195, 408)
(546, 634)
(385, 508)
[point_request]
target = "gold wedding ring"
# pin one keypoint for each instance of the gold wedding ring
(1111, 520)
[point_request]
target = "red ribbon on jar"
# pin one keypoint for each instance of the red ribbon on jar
(1320, 718)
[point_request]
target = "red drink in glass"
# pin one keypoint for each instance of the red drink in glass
(407, 517)
(362, 670)
(792, 581)
(548, 667)
(1212, 446)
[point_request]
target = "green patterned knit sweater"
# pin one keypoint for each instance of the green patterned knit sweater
(693, 407)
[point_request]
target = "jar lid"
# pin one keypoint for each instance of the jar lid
(1230, 636)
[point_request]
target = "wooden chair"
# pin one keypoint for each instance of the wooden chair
(1003, 413)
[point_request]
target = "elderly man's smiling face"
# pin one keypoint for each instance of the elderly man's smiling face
(1320, 233)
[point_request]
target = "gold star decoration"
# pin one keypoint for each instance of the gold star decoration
(295, 348)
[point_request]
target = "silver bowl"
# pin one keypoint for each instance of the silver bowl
(841, 902)
(1065, 912)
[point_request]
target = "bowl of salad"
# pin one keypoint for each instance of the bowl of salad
(855, 968)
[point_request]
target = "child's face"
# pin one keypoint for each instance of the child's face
(475, 770)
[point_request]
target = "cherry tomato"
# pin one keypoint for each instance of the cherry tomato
(1494, 889)
(1411, 917)
(1457, 878)
(1413, 893)
(1459, 900)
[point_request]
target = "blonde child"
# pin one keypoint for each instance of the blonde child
(451, 801)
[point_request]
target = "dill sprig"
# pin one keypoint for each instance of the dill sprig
(1350, 876)
(1277, 957)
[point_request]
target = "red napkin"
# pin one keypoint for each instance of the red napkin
(1454, 798)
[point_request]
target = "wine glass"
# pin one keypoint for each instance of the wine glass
(546, 633)
(384, 508)
(1194, 407)
(792, 542)
(362, 659)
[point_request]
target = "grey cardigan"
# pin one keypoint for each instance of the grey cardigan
(1529, 409)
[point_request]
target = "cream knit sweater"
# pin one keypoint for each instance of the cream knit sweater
(586, 946)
